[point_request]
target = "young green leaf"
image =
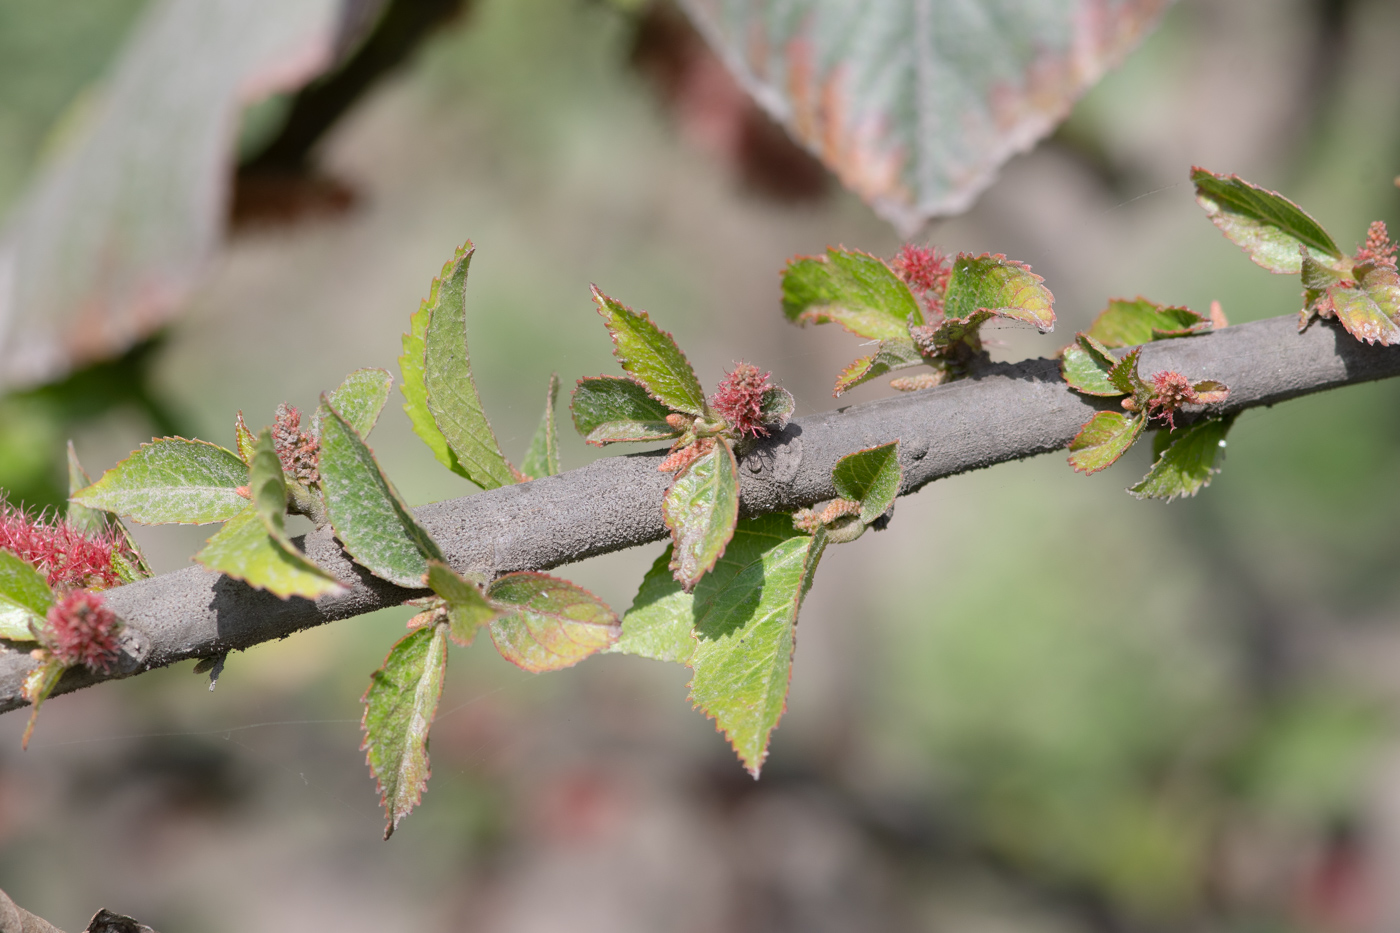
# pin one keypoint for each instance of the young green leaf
(548, 624)
(870, 477)
(1103, 439)
(1124, 375)
(246, 550)
(25, 597)
(1007, 288)
(467, 608)
(607, 409)
(542, 459)
(659, 624)
(854, 289)
(891, 355)
(451, 396)
(1085, 365)
(37, 687)
(266, 484)
(414, 389)
(366, 512)
(1129, 323)
(361, 397)
(650, 355)
(400, 704)
(700, 509)
(171, 480)
(86, 520)
(1187, 460)
(244, 439)
(1268, 226)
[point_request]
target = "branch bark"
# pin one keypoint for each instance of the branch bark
(1006, 412)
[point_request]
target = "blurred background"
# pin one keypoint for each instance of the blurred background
(1032, 705)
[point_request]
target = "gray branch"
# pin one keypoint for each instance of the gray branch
(1006, 412)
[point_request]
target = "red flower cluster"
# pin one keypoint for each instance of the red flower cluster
(739, 399)
(82, 630)
(66, 556)
(923, 269)
(1172, 391)
(298, 451)
(1378, 250)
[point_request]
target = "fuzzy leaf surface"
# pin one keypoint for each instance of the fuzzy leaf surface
(467, 608)
(542, 459)
(1103, 439)
(870, 477)
(1129, 323)
(412, 385)
(245, 549)
(25, 597)
(607, 409)
(1085, 365)
(361, 397)
(891, 355)
(1268, 226)
(368, 515)
(651, 357)
(851, 288)
(776, 406)
(700, 509)
(1005, 287)
(400, 705)
(171, 480)
(548, 624)
(1187, 461)
(452, 398)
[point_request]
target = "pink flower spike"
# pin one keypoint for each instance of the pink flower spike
(739, 399)
(1378, 250)
(923, 269)
(1172, 390)
(67, 557)
(82, 630)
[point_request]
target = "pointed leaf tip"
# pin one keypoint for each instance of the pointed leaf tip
(1265, 224)
(650, 356)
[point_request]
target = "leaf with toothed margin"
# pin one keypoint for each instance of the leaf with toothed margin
(870, 477)
(1273, 230)
(1124, 375)
(650, 355)
(542, 459)
(413, 387)
(1086, 364)
(1007, 288)
(1369, 309)
(244, 439)
(659, 624)
(1103, 439)
(171, 480)
(890, 356)
(851, 288)
(467, 608)
(400, 704)
(1187, 458)
(449, 391)
(366, 512)
(361, 397)
(700, 509)
(96, 521)
(607, 409)
(25, 597)
(1129, 323)
(548, 624)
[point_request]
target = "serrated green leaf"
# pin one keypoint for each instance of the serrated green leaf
(890, 356)
(88, 521)
(266, 484)
(542, 459)
(851, 288)
(25, 597)
(400, 705)
(1268, 226)
(650, 356)
(548, 624)
(607, 409)
(246, 550)
(1002, 286)
(700, 509)
(1124, 375)
(659, 624)
(1369, 310)
(368, 515)
(1129, 323)
(870, 477)
(1085, 365)
(467, 608)
(1187, 460)
(171, 480)
(244, 439)
(415, 391)
(361, 397)
(451, 395)
(39, 683)
(1103, 439)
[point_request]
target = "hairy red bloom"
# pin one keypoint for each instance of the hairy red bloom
(82, 630)
(739, 399)
(1378, 249)
(1172, 390)
(66, 556)
(923, 269)
(298, 451)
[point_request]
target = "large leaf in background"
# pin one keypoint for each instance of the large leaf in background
(116, 231)
(914, 104)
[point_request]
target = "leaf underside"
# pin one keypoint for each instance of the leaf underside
(650, 356)
(1188, 461)
(1270, 228)
(171, 480)
(851, 288)
(1129, 323)
(607, 409)
(890, 356)
(1103, 439)
(870, 477)
(548, 624)
(700, 509)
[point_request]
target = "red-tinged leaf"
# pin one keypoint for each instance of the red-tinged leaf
(607, 409)
(1186, 460)
(1103, 439)
(542, 459)
(953, 330)
(700, 509)
(467, 608)
(1124, 375)
(1363, 317)
(650, 356)
(1129, 323)
(400, 704)
(548, 624)
(1007, 288)
(1086, 365)
(890, 356)
(1209, 392)
(245, 440)
(851, 288)
(1274, 231)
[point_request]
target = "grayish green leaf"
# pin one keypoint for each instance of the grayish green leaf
(361, 397)
(171, 480)
(870, 477)
(467, 608)
(700, 509)
(607, 409)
